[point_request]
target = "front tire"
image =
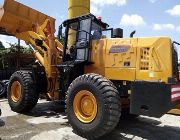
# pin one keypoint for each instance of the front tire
(93, 106)
(22, 96)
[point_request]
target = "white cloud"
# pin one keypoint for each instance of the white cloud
(3, 39)
(4, 42)
(96, 5)
(95, 10)
(109, 2)
(153, 1)
(8, 39)
(178, 28)
(175, 11)
(132, 20)
(163, 27)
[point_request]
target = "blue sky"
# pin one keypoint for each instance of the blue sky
(147, 17)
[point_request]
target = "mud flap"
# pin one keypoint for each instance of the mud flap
(152, 99)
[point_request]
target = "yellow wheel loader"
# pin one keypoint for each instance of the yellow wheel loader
(96, 72)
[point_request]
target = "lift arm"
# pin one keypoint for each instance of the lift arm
(31, 26)
(37, 30)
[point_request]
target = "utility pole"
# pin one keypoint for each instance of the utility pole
(18, 54)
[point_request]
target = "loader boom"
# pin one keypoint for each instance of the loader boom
(36, 29)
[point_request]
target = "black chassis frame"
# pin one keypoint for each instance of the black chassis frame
(151, 98)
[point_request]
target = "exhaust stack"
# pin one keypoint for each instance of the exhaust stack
(78, 8)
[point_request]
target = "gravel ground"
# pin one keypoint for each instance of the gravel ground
(47, 121)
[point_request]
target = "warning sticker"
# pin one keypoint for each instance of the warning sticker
(175, 93)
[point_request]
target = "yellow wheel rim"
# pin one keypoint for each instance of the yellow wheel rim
(85, 106)
(16, 92)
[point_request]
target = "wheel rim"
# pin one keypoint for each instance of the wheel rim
(16, 91)
(85, 106)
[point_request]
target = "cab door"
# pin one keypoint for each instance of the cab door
(83, 40)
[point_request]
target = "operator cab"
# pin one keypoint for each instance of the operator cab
(79, 32)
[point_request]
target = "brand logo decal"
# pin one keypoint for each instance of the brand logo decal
(119, 48)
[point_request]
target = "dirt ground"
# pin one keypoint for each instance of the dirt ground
(48, 122)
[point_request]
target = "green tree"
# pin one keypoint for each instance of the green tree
(14, 50)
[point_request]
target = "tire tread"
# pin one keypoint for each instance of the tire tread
(111, 100)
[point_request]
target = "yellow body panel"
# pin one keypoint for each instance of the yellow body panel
(97, 57)
(147, 59)
(120, 74)
(156, 54)
(114, 64)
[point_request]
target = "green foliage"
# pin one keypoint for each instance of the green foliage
(12, 51)
(60, 35)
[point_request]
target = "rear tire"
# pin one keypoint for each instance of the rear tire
(108, 105)
(22, 96)
(6, 82)
(3, 89)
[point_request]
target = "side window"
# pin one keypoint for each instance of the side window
(71, 40)
(85, 26)
(72, 34)
(96, 31)
(107, 34)
(82, 51)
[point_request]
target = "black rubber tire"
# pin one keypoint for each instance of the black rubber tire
(109, 106)
(6, 84)
(3, 92)
(29, 96)
(3, 89)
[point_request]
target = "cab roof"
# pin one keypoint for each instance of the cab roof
(83, 17)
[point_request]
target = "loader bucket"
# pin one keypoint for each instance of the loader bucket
(17, 18)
